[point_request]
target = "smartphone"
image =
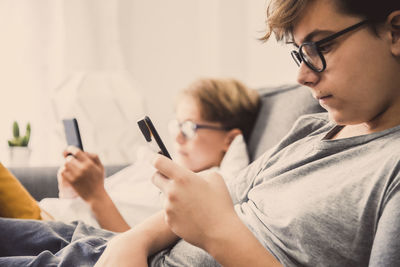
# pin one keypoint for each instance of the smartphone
(72, 133)
(148, 130)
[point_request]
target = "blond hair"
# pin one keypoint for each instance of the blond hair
(226, 101)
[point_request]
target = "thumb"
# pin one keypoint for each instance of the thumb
(214, 178)
(170, 169)
(160, 181)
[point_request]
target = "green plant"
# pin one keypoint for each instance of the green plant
(20, 140)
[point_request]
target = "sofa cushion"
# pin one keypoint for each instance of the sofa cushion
(15, 201)
(41, 182)
(280, 108)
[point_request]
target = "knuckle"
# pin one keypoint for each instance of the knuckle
(61, 170)
(86, 166)
(169, 211)
(78, 152)
(67, 165)
(181, 180)
(171, 195)
(158, 159)
(167, 219)
(154, 178)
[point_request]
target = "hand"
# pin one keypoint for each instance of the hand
(65, 189)
(121, 251)
(197, 208)
(85, 173)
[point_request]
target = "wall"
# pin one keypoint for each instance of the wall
(108, 62)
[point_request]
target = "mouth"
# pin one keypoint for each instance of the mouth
(323, 98)
(182, 153)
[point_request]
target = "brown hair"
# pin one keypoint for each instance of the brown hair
(226, 101)
(282, 14)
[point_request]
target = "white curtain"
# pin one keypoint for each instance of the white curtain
(109, 61)
(63, 58)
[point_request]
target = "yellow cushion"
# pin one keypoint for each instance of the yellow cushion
(15, 200)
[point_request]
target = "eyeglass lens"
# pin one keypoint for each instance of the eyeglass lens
(311, 56)
(187, 128)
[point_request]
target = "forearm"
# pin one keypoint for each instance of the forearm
(107, 214)
(157, 233)
(235, 245)
(132, 248)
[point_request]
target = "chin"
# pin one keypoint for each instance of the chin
(335, 118)
(184, 162)
(342, 119)
(194, 167)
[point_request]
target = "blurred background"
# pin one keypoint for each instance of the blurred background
(109, 62)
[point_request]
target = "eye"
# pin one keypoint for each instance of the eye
(325, 48)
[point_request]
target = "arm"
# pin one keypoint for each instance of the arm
(200, 210)
(85, 173)
(143, 240)
(107, 214)
(386, 245)
(235, 245)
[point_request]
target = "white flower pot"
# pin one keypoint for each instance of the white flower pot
(19, 156)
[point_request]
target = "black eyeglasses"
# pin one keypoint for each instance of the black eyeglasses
(189, 128)
(310, 52)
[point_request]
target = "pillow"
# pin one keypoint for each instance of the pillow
(15, 201)
(280, 108)
(235, 159)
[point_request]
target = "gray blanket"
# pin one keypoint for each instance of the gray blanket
(37, 243)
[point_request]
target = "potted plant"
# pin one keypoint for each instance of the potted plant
(19, 150)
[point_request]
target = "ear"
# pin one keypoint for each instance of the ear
(394, 26)
(230, 136)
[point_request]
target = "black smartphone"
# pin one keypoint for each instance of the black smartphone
(72, 133)
(148, 130)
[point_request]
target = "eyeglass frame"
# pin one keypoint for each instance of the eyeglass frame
(197, 126)
(298, 55)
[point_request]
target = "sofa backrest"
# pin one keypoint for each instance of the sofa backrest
(280, 108)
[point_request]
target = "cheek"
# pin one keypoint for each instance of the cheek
(358, 66)
(203, 149)
(355, 79)
(203, 153)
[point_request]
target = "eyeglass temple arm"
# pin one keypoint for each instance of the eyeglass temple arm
(210, 127)
(333, 36)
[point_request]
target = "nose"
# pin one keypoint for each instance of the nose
(180, 139)
(307, 76)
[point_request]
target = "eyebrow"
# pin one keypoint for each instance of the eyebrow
(311, 35)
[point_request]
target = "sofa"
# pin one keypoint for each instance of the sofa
(280, 108)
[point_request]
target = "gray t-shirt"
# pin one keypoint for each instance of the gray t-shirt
(317, 202)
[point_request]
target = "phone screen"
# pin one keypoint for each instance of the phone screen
(149, 132)
(72, 133)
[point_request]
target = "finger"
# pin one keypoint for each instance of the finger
(66, 174)
(213, 177)
(160, 181)
(77, 153)
(94, 157)
(72, 165)
(169, 168)
(61, 169)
